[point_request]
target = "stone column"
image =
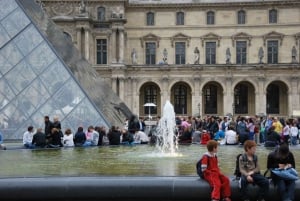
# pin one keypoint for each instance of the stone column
(261, 97)
(164, 93)
(78, 32)
(121, 90)
(197, 102)
(114, 84)
(121, 45)
(135, 104)
(87, 42)
(228, 97)
(293, 98)
(113, 47)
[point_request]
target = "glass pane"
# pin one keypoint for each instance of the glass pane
(4, 37)
(10, 55)
(15, 22)
(6, 7)
(28, 40)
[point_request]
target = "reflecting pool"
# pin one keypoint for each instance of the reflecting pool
(137, 160)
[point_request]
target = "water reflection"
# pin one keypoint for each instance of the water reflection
(140, 160)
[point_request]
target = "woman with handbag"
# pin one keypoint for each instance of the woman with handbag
(281, 162)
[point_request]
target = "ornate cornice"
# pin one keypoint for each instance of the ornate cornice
(180, 37)
(148, 38)
(241, 36)
(210, 36)
(273, 35)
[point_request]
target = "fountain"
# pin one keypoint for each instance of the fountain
(167, 142)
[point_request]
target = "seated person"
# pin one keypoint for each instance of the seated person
(231, 137)
(205, 137)
(272, 138)
(68, 138)
(185, 136)
(114, 136)
(80, 137)
(140, 137)
(282, 158)
(196, 136)
(39, 139)
(2, 146)
(250, 172)
(55, 138)
(27, 137)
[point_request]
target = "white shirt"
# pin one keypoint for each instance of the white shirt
(294, 131)
(230, 137)
(27, 137)
(68, 140)
(140, 136)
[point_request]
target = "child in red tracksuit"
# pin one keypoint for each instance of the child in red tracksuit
(220, 183)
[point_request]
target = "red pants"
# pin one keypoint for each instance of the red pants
(220, 185)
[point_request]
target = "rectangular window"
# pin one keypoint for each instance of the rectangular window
(241, 52)
(101, 51)
(150, 19)
(273, 16)
(210, 17)
(180, 53)
(150, 53)
(241, 17)
(273, 52)
(180, 18)
(210, 50)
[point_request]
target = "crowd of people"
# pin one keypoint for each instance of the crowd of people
(268, 131)
(52, 136)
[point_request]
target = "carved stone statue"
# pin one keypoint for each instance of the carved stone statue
(294, 55)
(261, 55)
(196, 55)
(165, 56)
(134, 56)
(228, 56)
(82, 7)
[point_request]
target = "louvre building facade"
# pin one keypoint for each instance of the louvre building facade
(205, 56)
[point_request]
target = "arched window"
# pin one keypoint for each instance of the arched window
(241, 17)
(210, 99)
(241, 99)
(101, 14)
(150, 19)
(273, 16)
(180, 99)
(273, 99)
(179, 18)
(150, 92)
(210, 18)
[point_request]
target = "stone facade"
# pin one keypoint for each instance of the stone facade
(240, 77)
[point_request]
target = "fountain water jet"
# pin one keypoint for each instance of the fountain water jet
(166, 141)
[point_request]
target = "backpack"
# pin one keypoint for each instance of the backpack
(237, 172)
(198, 166)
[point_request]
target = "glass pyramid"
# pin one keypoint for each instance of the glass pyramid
(35, 81)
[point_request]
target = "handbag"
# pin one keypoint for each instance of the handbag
(286, 174)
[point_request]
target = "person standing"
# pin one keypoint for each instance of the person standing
(250, 172)
(219, 182)
(48, 128)
(282, 158)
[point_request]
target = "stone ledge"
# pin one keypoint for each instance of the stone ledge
(115, 188)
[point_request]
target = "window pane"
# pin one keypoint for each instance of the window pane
(101, 14)
(151, 93)
(180, 18)
(210, 94)
(150, 53)
(150, 18)
(241, 52)
(180, 99)
(180, 53)
(210, 50)
(273, 16)
(210, 17)
(241, 17)
(101, 51)
(272, 52)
